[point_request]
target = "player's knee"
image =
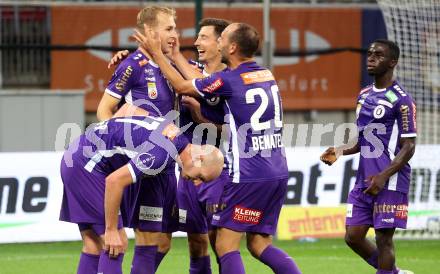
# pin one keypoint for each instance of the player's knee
(384, 243)
(91, 246)
(352, 239)
(256, 247)
(164, 245)
(253, 249)
(92, 243)
(198, 245)
(221, 247)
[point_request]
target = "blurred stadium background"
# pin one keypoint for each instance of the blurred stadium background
(54, 55)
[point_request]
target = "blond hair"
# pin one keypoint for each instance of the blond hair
(148, 15)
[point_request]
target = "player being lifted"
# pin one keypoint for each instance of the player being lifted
(386, 121)
(139, 81)
(252, 201)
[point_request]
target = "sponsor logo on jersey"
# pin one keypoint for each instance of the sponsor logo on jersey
(399, 211)
(182, 216)
(399, 90)
(152, 90)
(150, 213)
(414, 116)
(389, 220)
(213, 86)
(150, 79)
(149, 72)
(402, 212)
(143, 62)
(120, 85)
(379, 111)
(247, 215)
(349, 212)
(257, 76)
(404, 111)
(145, 161)
(391, 96)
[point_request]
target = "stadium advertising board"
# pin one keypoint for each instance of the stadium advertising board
(31, 192)
(30, 197)
(329, 81)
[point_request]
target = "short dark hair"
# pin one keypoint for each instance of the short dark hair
(247, 39)
(218, 24)
(392, 46)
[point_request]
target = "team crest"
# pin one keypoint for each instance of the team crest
(379, 112)
(152, 91)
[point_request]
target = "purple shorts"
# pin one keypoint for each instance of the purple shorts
(197, 204)
(389, 209)
(83, 196)
(99, 229)
(251, 207)
(151, 204)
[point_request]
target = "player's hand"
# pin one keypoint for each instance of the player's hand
(149, 40)
(330, 156)
(377, 183)
(176, 50)
(117, 58)
(197, 182)
(194, 107)
(112, 242)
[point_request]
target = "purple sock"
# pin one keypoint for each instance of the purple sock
(373, 261)
(109, 265)
(231, 263)
(201, 265)
(380, 271)
(279, 261)
(88, 264)
(144, 259)
(159, 258)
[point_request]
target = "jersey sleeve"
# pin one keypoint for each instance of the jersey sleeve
(148, 163)
(214, 85)
(406, 117)
(123, 79)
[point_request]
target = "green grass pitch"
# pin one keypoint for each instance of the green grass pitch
(323, 257)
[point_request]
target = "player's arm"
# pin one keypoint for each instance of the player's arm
(333, 153)
(378, 181)
(114, 188)
(151, 43)
(107, 107)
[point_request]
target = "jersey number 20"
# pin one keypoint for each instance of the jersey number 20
(256, 117)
